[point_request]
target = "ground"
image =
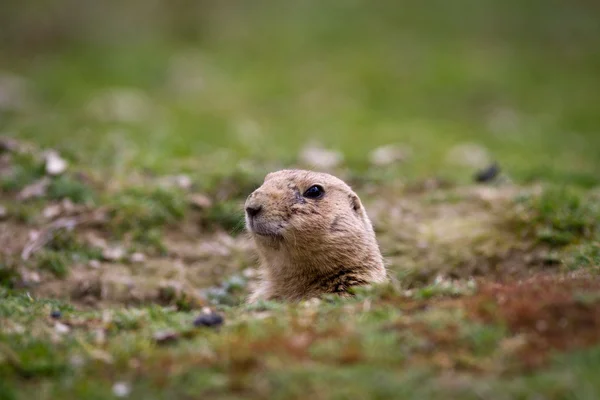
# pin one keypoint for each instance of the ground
(470, 133)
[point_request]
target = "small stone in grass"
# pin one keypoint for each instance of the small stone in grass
(166, 336)
(113, 253)
(55, 164)
(56, 314)
(61, 328)
(137, 258)
(200, 201)
(487, 174)
(121, 389)
(36, 189)
(389, 154)
(209, 320)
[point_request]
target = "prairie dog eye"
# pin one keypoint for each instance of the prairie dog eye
(314, 192)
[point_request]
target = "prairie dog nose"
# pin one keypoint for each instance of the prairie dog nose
(253, 210)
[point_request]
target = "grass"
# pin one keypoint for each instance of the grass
(562, 216)
(140, 210)
(63, 249)
(280, 355)
(495, 284)
(422, 80)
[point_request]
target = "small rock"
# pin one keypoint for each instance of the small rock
(469, 155)
(56, 314)
(52, 211)
(3, 212)
(33, 235)
(137, 258)
(487, 174)
(211, 320)
(36, 189)
(183, 181)
(200, 201)
(389, 154)
(121, 389)
(180, 181)
(94, 240)
(113, 253)
(9, 145)
(31, 277)
(61, 328)
(94, 264)
(55, 164)
(319, 157)
(68, 206)
(166, 336)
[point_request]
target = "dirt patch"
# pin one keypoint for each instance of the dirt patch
(551, 312)
(184, 276)
(456, 233)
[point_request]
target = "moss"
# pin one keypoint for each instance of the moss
(586, 256)
(64, 249)
(150, 240)
(26, 169)
(68, 187)
(55, 262)
(560, 216)
(138, 209)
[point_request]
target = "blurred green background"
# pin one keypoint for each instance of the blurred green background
(199, 86)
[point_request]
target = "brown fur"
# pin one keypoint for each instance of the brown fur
(308, 247)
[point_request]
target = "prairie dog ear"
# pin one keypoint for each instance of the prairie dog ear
(355, 202)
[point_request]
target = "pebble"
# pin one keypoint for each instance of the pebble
(8, 144)
(469, 155)
(487, 174)
(319, 157)
(113, 253)
(200, 201)
(34, 190)
(61, 328)
(52, 211)
(55, 164)
(389, 154)
(56, 314)
(137, 258)
(166, 336)
(210, 320)
(121, 389)
(183, 181)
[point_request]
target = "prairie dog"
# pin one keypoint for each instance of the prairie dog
(313, 236)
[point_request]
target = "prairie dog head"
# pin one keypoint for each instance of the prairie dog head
(301, 208)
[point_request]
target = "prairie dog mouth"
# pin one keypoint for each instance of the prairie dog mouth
(265, 229)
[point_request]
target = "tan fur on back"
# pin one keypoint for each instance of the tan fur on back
(308, 247)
